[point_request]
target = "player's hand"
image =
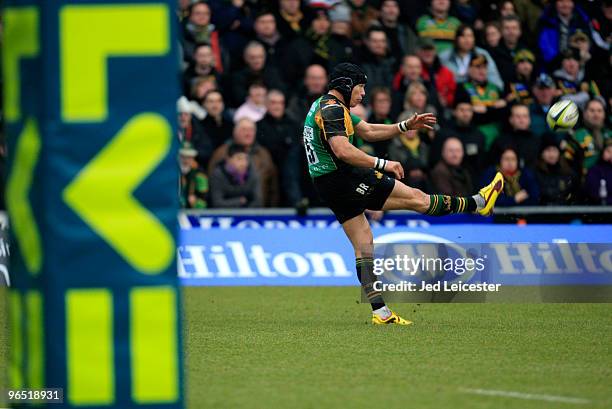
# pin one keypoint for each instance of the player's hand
(395, 168)
(418, 121)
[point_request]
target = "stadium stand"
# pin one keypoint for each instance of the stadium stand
(489, 70)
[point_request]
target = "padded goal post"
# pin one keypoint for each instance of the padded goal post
(89, 104)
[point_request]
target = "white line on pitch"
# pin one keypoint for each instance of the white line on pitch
(529, 396)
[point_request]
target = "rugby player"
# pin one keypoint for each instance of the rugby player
(351, 181)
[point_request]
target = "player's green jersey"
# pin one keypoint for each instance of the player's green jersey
(327, 117)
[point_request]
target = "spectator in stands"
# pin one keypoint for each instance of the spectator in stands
(457, 58)
(509, 45)
(592, 136)
(492, 35)
(519, 89)
(485, 97)
(254, 107)
(341, 47)
(412, 153)
(556, 179)
(409, 72)
(197, 29)
(529, 13)
(200, 86)
(315, 84)
(437, 74)
(380, 113)
(520, 185)
(544, 93)
(376, 61)
(467, 12)
(415, 102)
(217, 125)
(496, 10)
(290, 19)
(601, 26)
(193, 183)
(360, 111)
(182, 11)
(256, 70)
(473, 140)
(558, 22)
(281, 136)
(438, 25)
(599, 179)
(244, 135)
(581, 42)
(506, 8)
(190, 130)
(570, 79)
(449, 177)
(235, 182)
(402, 40)
(268, 35)
(234, 20)
(362, 17)
(520, 136)
(310, 48)
(203, 65)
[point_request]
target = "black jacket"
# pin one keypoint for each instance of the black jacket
(225, 192)
(526, 143)
(239, 82)
(474, 159)
(557, 183)
(282, 137)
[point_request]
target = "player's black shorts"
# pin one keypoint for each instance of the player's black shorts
(349, 191)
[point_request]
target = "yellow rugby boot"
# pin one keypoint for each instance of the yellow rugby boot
(490, 194)
(393, 319)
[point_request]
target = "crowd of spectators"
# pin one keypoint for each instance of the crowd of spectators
(490, 71)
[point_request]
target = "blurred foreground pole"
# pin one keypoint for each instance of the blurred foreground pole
(89, 102)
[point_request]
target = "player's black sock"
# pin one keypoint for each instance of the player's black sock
(441, 205)
(365, 268)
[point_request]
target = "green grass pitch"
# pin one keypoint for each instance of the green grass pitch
(313, 347)
(273, 347)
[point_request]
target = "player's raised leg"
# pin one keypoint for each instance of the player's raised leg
(408, 198)
(359, 233)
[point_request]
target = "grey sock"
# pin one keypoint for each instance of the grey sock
(480, 202)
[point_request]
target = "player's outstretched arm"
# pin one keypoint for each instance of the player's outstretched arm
(346, 152)
(381, 132)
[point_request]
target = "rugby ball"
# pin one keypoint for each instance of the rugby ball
(562, 116)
